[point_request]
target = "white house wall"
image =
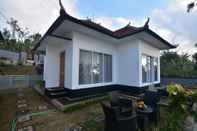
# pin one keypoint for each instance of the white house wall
(52, 64)
(147, 49)
(82, 41)
(128, 63)
(126, 58)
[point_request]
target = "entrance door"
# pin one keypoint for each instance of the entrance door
(62, 69)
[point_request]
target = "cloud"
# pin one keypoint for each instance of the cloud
(176, 25)
(115, 23)
(112, 23)
(37, 15)
(171, 22)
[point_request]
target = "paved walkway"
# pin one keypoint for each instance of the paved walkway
(24, 109)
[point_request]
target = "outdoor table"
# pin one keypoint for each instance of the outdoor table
(143, 120)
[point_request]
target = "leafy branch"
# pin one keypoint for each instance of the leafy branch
(191, 5)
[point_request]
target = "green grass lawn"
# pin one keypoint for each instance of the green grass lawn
(92, 125)
(88, 115)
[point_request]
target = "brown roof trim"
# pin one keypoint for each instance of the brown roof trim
(60, 37)
(115, 34)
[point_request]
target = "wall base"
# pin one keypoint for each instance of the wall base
(98, 90)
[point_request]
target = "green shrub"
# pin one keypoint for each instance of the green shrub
(92, 125)
(179, 107)
(194, 97)
(40, 83)
(20, 63)
(2, 63)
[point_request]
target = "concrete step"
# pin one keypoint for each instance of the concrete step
(56, 92)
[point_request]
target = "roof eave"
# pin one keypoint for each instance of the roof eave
(103, 30)
(54, 26)
(149, 31)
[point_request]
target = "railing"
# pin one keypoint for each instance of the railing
(17, 81)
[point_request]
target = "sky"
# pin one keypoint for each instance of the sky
(168, 18)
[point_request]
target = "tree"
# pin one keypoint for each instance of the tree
(18, 39)
(173, 64)
(191, 5)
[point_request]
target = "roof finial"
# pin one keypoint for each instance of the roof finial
(146, 25)
(129, 23)
(62, 9)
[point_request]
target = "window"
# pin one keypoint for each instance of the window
(85, 66)
(107, 68)
(149, 69)
(94, 67)
(146, 68)
(155, 64)
(97, 67)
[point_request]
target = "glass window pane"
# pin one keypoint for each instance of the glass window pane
(149, 69)
(148, 65)
(144, 69)
(97, 69)
(107, 68)
(155, 64)
(85, 66)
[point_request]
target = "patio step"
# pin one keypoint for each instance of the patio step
(56, 89)
(56, 92)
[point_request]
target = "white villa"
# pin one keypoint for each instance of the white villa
(83, 56)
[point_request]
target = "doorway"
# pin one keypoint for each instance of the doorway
(62, 69)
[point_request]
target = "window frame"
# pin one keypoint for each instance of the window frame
(103, 66)
(150, 75)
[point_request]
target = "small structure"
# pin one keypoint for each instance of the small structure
(10, 57)
(39, 58)
(85, 57)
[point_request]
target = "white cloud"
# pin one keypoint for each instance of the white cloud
(38, 15)
(176, 25)
(173, 22)
(115, 23)
(112, 23)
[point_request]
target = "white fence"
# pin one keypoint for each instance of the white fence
(17, 81)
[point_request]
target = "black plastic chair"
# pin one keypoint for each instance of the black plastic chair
(151, 98)
(114, 121)
(125, 105)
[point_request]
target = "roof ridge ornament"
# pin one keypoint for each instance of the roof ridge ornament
(62, 9)
(146, 25)
(129, 24)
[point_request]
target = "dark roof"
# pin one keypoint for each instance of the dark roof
(1, 37)
(127, 30)
(118, 34)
